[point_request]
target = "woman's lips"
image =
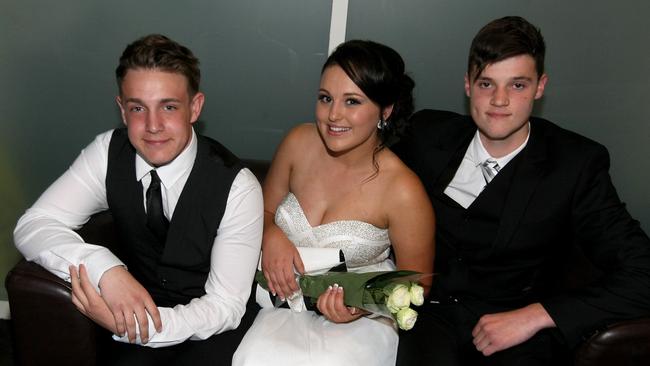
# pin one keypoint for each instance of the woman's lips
(337, 130)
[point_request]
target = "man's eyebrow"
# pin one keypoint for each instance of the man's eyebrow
(516, 78)
(161, 101)
(133, 100)
(170, 100)
(482, 78)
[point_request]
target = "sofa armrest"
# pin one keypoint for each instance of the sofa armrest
(47, 328)
(623, 343)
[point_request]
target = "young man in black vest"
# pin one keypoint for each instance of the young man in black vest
(512, 194)
(189, 216)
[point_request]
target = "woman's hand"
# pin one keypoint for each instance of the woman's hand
(331, 304)
(279, 257)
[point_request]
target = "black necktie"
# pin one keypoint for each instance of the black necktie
(156, 219)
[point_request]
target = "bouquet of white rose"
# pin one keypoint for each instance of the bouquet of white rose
(386, 293)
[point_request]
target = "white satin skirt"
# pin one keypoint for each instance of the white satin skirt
(283, 337)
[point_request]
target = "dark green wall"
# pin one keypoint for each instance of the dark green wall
(598, 62)
(260, 70)
(261, 61)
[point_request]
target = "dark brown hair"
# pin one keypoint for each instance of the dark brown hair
(504, 38)
(378, 71)
(156, 51)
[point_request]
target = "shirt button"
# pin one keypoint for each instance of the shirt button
(163, 281)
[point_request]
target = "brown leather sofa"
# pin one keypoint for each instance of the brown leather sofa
(48, 329)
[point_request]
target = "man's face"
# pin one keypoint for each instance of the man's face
(158, 112)
(501, 101)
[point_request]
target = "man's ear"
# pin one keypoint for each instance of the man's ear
(197, 105)
(122, 113)
(541, 85)
(467, 85)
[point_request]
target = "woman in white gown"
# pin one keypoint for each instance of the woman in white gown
(334, 184)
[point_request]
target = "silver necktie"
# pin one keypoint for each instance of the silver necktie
(489, 168)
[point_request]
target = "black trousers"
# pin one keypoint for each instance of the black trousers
(442, 336)
(216, 350)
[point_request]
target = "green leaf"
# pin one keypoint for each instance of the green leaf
(356, 286)
(359, 288)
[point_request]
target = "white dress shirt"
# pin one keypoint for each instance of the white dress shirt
(469, 182)
(44, 234)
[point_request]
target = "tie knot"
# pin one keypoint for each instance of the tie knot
(154, 177)
(489, 168)
(492, 164)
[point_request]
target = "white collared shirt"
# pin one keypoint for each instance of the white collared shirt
(468, 182)
(44, 234)
(173, 176)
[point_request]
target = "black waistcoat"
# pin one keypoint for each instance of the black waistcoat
(178, 273)
(465, 238)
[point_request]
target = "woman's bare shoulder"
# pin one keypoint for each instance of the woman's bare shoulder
(301, 135)
(401, 182)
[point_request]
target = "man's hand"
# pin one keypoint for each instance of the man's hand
(496, 332)
(279, 256)
(88, 300)
(125, 298)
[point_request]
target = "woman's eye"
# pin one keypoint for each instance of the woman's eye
(324, 98)
(352, 101)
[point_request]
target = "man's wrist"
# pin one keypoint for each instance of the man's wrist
(99, 263)
(107, 272)
(540, 317)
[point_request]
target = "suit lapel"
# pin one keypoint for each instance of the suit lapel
(524, 183)
(451, 153)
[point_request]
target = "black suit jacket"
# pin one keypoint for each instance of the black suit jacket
(560, 195)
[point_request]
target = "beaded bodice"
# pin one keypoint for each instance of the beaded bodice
(363, 244)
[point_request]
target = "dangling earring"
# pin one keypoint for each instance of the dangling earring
(381, 124)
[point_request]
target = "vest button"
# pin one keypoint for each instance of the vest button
(163, 281)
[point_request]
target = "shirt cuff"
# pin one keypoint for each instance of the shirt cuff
(98, 263)
(156, 340)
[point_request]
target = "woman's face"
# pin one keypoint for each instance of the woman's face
(345, 116)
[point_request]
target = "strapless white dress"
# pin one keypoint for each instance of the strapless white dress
(284, 337)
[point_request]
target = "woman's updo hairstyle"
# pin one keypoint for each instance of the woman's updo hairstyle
(378, 71)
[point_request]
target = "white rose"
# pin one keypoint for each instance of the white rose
(417, 294)
(406, 318)
(399, 298)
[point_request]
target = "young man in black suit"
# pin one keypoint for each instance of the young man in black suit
(512, 195)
